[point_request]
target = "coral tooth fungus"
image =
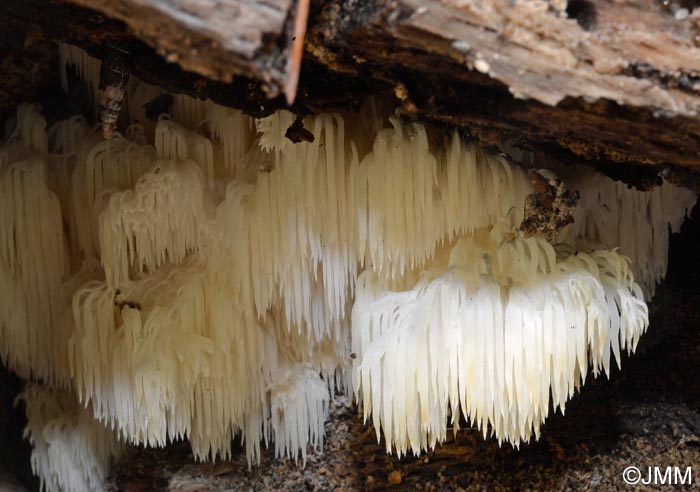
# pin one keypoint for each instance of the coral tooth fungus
(203, 277)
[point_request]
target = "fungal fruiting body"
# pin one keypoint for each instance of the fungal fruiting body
(201, 276)
(498, 329)
(73, 452)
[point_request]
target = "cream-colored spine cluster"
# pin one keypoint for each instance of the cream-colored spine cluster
(638, 222)
(490, 333)
(202, 276)
(33, 257)
(72, 451)
(155, 223)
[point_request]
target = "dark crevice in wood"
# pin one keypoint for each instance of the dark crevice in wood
(583, 11)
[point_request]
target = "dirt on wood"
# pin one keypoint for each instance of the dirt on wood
(612, 83)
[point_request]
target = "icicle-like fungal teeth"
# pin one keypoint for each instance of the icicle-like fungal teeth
(299, 407)
(492, 336)
(190, 112)
(417, 198)
(172, 357)
(214, 284)
(101, 165)
(30, 129)
(157, 222)
(32, 267)
(235, 131)
(174, 142)
(291, 235)
(65, 136)
(611, 214)
(72, 452)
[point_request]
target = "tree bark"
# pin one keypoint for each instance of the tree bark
(616, 81)
(217, 39)
(611, 83)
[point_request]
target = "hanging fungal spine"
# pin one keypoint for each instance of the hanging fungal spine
(215, 277)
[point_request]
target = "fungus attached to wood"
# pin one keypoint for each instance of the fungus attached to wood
(202, 276)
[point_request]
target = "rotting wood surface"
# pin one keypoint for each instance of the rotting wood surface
(608, 82)
(218, 39)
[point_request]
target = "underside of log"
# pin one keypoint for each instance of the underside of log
(612, 83)
(218, 39)
(621, 85)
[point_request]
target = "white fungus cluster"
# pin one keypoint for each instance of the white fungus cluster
(72, 451)
(203, 277)
(638, 222)
(495, 328)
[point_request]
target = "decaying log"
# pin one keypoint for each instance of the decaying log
(25, 63)
(217, 39)
(618, 83)
(630, 52)
(39, 25)
(606, 82)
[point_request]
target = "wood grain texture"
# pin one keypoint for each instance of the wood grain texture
(217, 39)
(614, 83)
(618, 84)
(534, 49)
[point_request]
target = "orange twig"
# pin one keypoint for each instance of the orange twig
(297, 51)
